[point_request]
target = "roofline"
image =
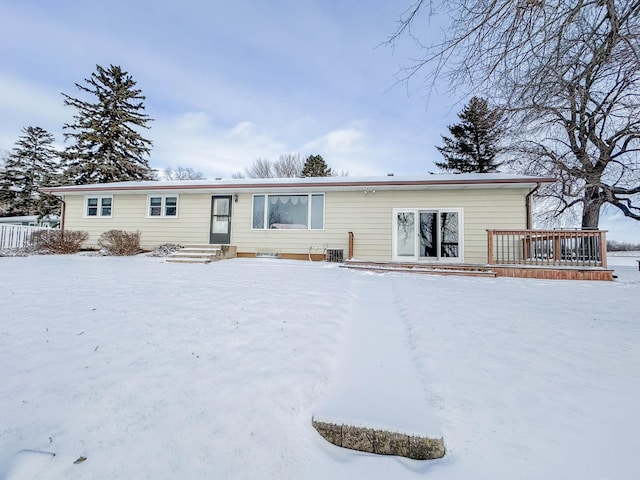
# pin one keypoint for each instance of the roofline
(154, 186)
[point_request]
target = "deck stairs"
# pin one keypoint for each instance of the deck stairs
(197, 254)
(421, 268)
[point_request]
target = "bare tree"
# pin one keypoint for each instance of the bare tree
(567, 74)
(182, 173)
(288, 165)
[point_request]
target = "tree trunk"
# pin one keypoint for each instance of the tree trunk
(591, 209)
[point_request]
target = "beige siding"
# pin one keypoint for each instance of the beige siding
(129, 212)
(368, 216)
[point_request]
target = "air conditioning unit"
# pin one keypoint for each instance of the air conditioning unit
(335, 255)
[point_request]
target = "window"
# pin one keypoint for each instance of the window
(290, 212)
(98, 206)
(163, 206)
(427, 234)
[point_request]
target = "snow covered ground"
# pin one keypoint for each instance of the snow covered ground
(156, 370)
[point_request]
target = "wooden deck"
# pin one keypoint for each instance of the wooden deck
(565, 254)
(422, 268)
(486, 270)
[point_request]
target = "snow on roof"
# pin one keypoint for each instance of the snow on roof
(389, 182)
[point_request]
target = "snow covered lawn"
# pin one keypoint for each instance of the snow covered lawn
(163, 371)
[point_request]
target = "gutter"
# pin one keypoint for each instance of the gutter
(263, 186)
(529, 206)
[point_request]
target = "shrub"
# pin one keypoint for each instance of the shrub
(59, 241)
(165, 250)
(121, 243)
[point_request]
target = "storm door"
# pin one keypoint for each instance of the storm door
(220, 220)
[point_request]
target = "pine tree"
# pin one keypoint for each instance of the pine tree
(4, 206)
(473, 145)
(107, 147)
(33, 163)
(315, 166)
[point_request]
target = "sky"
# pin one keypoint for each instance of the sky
(230, 82)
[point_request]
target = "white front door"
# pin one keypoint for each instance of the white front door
(427, 235)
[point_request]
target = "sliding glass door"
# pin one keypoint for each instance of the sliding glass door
(427, 235)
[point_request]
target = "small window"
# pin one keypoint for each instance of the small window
(105, 207)
(170, 206)
(317, 212)
(92, 207)
(163, 206)
(258, 211)
(98, 206)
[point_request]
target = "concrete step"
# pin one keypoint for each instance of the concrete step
(187, 260)
(201, 253)
(196, 253)
(183, 254)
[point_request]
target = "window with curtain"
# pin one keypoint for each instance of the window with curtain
(288, 212)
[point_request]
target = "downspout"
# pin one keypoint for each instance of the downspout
(63, 211)
(529, 206)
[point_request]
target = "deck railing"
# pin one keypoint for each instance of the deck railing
(569, 248)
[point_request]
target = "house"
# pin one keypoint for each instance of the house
(432, 218)
(48, 221)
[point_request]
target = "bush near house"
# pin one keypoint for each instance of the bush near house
(120, 243)
(59, 241)
(164, 250)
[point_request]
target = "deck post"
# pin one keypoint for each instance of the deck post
(490, 247)
(350, 245)
(603, 248)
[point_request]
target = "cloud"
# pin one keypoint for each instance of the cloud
(26, 104)
(619, 227)
(194, 140)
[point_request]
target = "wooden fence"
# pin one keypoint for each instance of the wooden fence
(17, 236)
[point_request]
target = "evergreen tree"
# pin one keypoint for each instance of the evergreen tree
(107, 147)
(473, 145)
(33, 163)
(4, 207)
(315, 166)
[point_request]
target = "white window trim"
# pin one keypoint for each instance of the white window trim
(99, 207)
(416, 257)
(266, 212)
(163, 208)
